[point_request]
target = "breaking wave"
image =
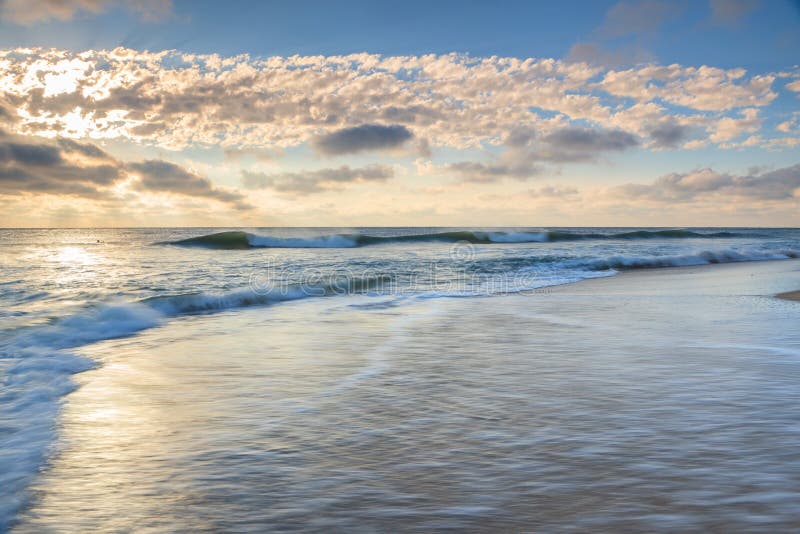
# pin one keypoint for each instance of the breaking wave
(240, 240)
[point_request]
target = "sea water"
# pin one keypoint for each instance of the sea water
(368, 379)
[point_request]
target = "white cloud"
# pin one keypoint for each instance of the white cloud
(173, 100)
(729, 128)
(700, 88)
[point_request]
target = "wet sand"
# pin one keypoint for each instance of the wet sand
(791, 295)
(758, 278)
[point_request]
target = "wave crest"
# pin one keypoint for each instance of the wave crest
(240, 240)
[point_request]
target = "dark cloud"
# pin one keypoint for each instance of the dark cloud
(37, 155)
(362, 138)
(309, 182)
(163, 176)
(583, 144)
(668, 135)
(779, 184)
(86, 150)
(17, 181)
(526, 151)
(730, 12)
(29, 165)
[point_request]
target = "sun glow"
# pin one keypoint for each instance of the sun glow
(74, 256)
(64, 77)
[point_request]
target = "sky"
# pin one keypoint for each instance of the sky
(596, 113)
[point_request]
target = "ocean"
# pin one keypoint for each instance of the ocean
(373, 379)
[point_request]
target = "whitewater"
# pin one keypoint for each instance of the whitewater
(63, 291)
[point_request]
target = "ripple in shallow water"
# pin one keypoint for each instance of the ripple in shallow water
(507, 413)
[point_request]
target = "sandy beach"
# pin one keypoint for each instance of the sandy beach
(790, 295)
(763, 278)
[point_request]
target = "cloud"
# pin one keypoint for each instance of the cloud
(730, 12)
(549, 191)
(601, 55)
(668, 134)
(362, 138)
(790, 126)
(794, 86)
(84, 149)
(309, 182)
(164, 177)
(732, 127)
(610, 45)
(642, 17)
(353, 103)
(38, 155)
(584, 144)
(6, 114)
(526, 151)
(482, 173)
(29, 165)
(31, 11)
(37, 166)
(424, 148)
(262, 155)
(780, 184)
(785, 142)
(701, 88)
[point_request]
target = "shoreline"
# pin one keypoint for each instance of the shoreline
(763, 278)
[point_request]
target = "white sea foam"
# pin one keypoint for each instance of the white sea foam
(33, 384)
